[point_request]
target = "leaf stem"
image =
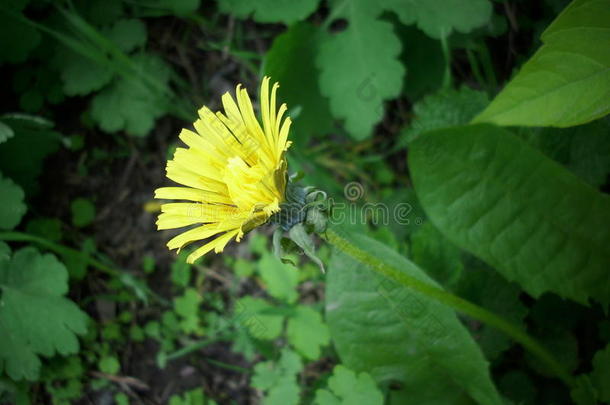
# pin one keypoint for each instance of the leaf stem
(457, 303)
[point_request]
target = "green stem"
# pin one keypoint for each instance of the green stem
(447, 79)
(191, 348)
(488, 68)
(64, 250)
(476, 71)
(457, 303)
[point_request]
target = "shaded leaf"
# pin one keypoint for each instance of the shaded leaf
(278, 379)
(444, 109)
(34, 316)
(128, 34)
(360, 68)
(290, 61)
(567, 82)
(130, 104)
(522, 213)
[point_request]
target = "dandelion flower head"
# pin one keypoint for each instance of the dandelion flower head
(232, 172)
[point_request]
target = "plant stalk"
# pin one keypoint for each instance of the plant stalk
(455, 302)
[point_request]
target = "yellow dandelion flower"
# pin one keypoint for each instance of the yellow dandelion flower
(233, 172)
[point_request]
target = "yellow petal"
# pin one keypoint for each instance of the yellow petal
(217, 244)
(191, 194)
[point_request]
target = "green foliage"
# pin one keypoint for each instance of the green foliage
(181, 270)
(187, 308)
(280, 279)
(584, 149)
(600, 376)
(290, 61)
(420, 336)
(83, 212)
(192, 397)
(12, 207)
(37, 319)
(23, 155)
(502, 204)
(6, 132)
(441, 259)
(483, 286)
(359, 67)
(130, 104)
(567, 82)
(347, 387)
(278, 379)
(366, 84)
(256, 315)
(307, 332)
(425, 63)
(48, 228)
(438, 18)
(17, 38)
(268, 11)
(109, 365)
(444, 109)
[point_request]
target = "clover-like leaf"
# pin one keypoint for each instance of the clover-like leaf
(187, 307)
(132, 104)
(80, 75)
(83, 212)
(360, 68)
(307, 332)
(128, 34)
(347, 387)
(291, 61)
(280, 279)
(256, 315)
(278, 379)
(35, 318)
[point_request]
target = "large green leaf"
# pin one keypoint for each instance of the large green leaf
(360, 68)
(290, 61)
(438, 18)
(398, 334)
(567, 82)
(35, 318)
(519, 211)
